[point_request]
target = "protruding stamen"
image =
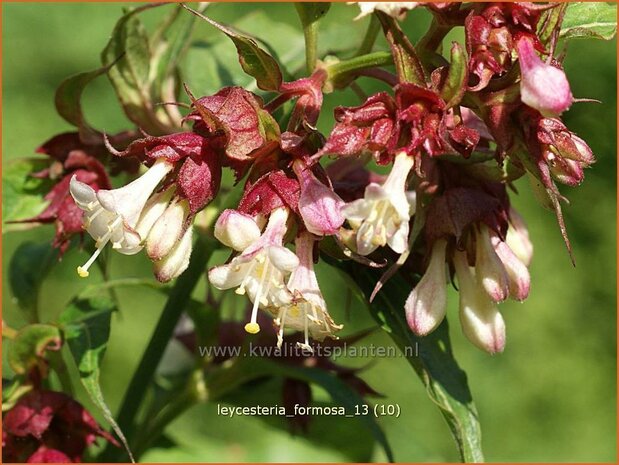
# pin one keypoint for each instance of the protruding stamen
(253, 327)
(82, 271)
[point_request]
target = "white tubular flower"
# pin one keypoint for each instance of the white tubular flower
(427, 303)
(308, 310)
(260, 269)
(489, 268)
(394, 9)
(381, 217)
(112, 215)
(236, 230)
(517, 238)
(481, 321)
(176, 260)
(517, 272)
(167, 229)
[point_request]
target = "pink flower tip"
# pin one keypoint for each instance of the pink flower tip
(543, 86)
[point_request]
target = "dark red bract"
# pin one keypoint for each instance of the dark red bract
(48, 426)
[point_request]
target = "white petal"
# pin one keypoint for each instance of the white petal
(129, 200)
(154, 208)
(82, 193)
(177, 260)
(236, 230)
(167, 230)
(283, 258)
(227, 276)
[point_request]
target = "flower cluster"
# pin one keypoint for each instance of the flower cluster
(448, 138)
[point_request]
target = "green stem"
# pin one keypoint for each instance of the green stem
(344, 70)
(57, 362)
(370, 37)
(172, 311)
(310, 33)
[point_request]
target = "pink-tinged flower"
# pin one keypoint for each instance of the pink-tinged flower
(519, 279)
(543, 86)
(260, 269)
(517, 238)
(307, 311)
(394, 9)
(319, 205)
(236, 230)
(489, 268)
(481, 321)
(113, 215)
(48, 426)
(427, 303)
(381, 217)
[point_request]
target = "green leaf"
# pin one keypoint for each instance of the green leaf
(174, 47)
(28, 267)
(310, 12)
(86, 326)
(595, 20)
(68, 101)
(431, 358)
(254, 60)
(22, 194)
(549, 22)
(129, 49)
(28, 348)
(457, 76)
(407, 63)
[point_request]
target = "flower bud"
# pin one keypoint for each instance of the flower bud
(318, 204)
(167, 230)
(427, 303)
(543, 86)
(517, 238)
(236, 230)
(488, 267)
(564, 170)
(517, 272)
(177, 261)
(155, 207)
(480, 319)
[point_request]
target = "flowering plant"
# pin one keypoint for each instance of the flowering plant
(404, 195)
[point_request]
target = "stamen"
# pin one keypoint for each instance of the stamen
(253, 327)
(281, 321)
(88, 220)
(82, 271)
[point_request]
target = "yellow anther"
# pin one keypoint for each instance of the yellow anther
(82, 272)
(252, 328)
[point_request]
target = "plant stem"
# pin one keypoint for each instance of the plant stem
(370, 37)
(343, 71)
(172, 311)
(310, 33)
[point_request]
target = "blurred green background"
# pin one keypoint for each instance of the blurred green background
(550, 397)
